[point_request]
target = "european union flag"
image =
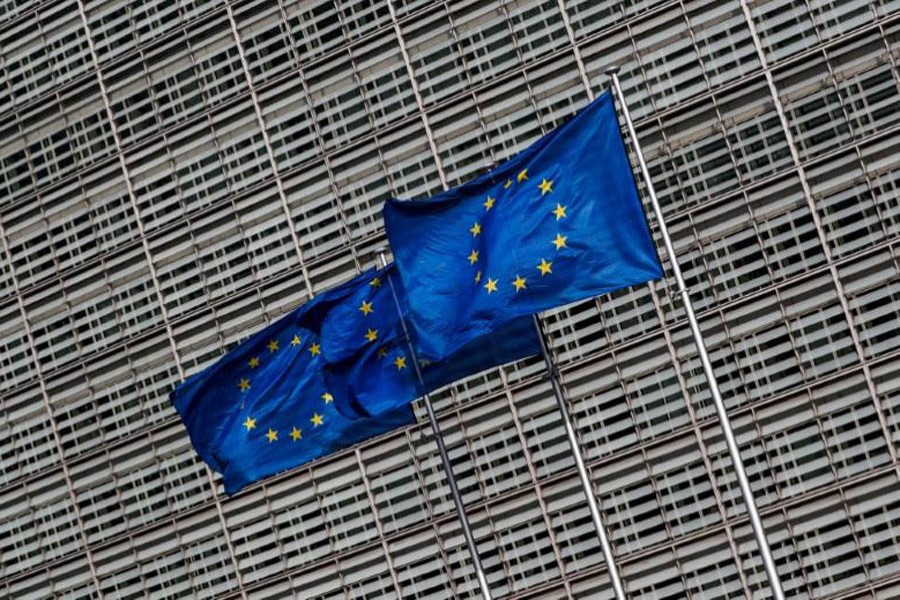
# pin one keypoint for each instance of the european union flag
(559, 222)
(334, 372)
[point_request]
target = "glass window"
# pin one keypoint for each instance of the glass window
(632, 510)
(346, 511)
(70, 579)
(557, 90)
(753, 131)
(338, 101)
(588, 17)
(261, 220)
(15, 354)
(217, 62)
(786, 228)
(836, 17)
(785, 27)
(813, 107)
(254, 537)
(873, 288)
(38, 524)
(723, 40)
(875, 518)
(108, 22)
(710, 569)
(394, 483)
(494, 447)
(131, 101)
(510, 123)
(289, 124)
(420, 566)
(16, 179)
(435, 56)
(362, 184)
(866, 82)
(526, 550)
(616, 48)
(316, 216)
(242, 149)
(826, 548)
(174, 81)
(670, 64)
(315, 27)
(881, 164)
(485, 39)
(264, 37)
(27, 445)
(383, 79)
(537, 27)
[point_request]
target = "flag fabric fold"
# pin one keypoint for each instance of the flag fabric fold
(559, 222)
(332, 373)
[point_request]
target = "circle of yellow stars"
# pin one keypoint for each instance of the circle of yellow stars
(544, 267)
(317, 419)
(315, 349)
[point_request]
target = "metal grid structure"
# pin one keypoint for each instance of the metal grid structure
(176, 174)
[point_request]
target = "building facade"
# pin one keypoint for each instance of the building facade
(174, 175)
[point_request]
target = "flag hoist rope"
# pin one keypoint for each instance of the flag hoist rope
(733, 450)
(442, 448)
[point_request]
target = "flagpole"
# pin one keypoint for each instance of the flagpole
(442, 448)
(586, 484)
(724, 421)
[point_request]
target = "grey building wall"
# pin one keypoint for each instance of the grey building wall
(173, 175)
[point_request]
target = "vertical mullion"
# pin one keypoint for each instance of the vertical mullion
(270, 154)
(151, 267)
(820, 232)
(73, 498)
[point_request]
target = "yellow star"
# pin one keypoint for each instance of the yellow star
(400, 362)
(478, 277)
(376, 282)
(273, 346)
(522, 176)
(544, 267)
(382, 352)
(372, 335)
(250, 423)
(272, 436)
(315, 349)
(244, 384)
(328, 398)
(473, 257)
(295, 341)
(317, 419)
(560, 241)
(489, 203)
(253, 362)
(491, 285)
(519, 282)
(366, 308)
(546, 187)
(507, 185)
(559, 211)
(296, 434)
(475, 229)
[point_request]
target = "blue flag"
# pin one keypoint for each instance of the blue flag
(334, 372)
(559, 222)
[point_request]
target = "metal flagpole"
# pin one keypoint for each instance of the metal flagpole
(733, 450)
(586, 484)
(442, 449)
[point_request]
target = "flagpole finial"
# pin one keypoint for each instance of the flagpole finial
(611, 70)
